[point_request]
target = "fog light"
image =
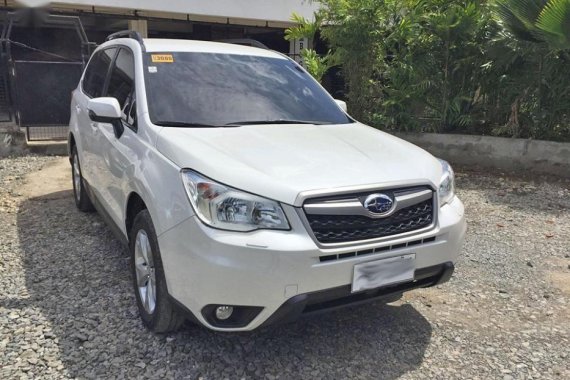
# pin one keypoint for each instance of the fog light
(224, 312)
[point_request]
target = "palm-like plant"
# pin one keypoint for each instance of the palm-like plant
(541, 21)
(542, 41)
(554, 20)
(305, 28)
(315, 64)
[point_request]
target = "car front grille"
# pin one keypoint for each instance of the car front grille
(342, 228)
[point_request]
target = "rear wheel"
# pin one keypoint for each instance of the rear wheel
(80, 195)
(156, 310)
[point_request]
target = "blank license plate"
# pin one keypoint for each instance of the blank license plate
(383, 272)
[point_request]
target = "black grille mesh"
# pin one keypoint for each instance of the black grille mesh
(346, 228)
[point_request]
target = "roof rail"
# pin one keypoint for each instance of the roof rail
(127, 34)
(244, 42)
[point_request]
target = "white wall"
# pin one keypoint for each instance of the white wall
(261, 10)
(496, 152)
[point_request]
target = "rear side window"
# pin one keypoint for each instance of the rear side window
(96, 71)
(121, 82)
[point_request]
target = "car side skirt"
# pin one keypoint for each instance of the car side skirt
(115, 229)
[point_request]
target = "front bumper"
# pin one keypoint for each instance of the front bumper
(330, 299)
(280, 273)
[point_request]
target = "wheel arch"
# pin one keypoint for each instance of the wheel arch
(135, 204)
(70, 144)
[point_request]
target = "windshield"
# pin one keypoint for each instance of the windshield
(207, 89)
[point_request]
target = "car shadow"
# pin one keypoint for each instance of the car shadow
(77, 274)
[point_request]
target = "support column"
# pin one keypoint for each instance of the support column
(296, 46)
(140, 26)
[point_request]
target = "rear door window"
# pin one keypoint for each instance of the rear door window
(96, 72)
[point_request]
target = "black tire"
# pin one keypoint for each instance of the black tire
(80, 195)
(165, 317)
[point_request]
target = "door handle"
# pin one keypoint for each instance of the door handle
(78, 109)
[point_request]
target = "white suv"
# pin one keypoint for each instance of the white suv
(245, 193)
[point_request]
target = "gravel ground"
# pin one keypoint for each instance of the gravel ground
(67, 309)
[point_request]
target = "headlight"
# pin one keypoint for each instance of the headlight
(226, 208)
(447, 185)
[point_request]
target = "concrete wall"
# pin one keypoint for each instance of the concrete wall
(12, 141)
(496, 152)
(262, 10)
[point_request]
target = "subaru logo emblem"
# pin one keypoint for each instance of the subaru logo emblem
(379, 204)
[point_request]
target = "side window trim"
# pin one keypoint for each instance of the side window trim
(89, 63)
(133, 126)
(110, 70)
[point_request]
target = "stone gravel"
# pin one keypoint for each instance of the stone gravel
(67, 309)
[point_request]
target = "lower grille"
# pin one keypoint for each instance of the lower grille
(370, 251)
(348, 228)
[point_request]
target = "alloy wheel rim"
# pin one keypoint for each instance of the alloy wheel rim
(76, 177)
(145, 273)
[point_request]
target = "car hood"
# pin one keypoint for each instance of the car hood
(280, 161)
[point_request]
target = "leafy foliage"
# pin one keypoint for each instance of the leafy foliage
(305, 28)
(315, 64)
(554, 22)
(487, 67)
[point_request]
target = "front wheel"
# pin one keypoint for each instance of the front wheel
(155, 308)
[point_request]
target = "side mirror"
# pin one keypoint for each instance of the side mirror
(341, 104)
(106, 110)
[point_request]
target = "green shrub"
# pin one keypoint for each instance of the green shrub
(498, 68)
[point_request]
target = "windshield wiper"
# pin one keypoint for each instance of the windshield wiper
(182, 124)
(276, 121)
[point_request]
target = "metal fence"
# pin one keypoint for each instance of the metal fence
(47, 132)
(40, 82)
(43, 94)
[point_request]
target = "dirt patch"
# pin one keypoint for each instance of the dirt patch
(561, 280)
(54, 178)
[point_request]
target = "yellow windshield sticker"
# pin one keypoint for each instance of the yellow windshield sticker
(162, 58)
